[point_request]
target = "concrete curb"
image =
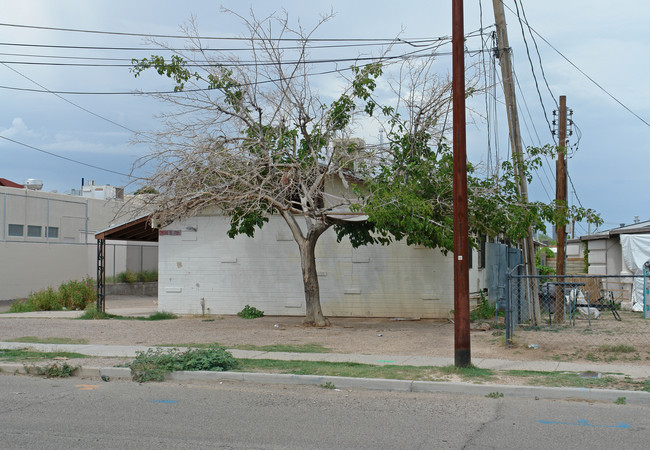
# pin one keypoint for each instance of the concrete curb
(532, 392)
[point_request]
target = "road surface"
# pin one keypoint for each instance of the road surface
(78, 413)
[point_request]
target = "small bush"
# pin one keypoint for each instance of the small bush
(78, 294)
(91, 313)
(147, 276)
(70, 295)
(483, 311)
(153, 365)
(127, 277)
(56, 371)
(250, 312)
(161, 315)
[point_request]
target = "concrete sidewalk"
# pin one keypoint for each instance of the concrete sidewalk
(484, 389)
(108, 351)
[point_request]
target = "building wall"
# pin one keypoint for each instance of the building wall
(205, 267)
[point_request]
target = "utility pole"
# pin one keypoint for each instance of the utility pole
(462, 353)
(561, 200)
(527, 243)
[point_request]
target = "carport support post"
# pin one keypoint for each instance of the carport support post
(462, 354)
(101, 275)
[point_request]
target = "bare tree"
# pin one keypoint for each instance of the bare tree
(254, 139)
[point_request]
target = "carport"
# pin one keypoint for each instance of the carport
(138, 229)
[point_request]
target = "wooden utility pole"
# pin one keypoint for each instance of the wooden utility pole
(462, 353)
(527, 243)
(561, 200)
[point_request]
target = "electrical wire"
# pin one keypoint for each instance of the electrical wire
(539, 56)
(68, 101)
(609, 94)
(219, 38)
(69, 159)
(532, 69)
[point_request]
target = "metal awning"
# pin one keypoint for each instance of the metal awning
(138, 229)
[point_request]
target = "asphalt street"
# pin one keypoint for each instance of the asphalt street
(76, 413)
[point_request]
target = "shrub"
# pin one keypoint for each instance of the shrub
(127, 277)
(78, 294)
(56, 371)
(250, 312)
(483, 311)
(147, 276)
(70, 295)
(153, 365)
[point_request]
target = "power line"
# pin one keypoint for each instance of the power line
(326, 72)
(68, 159)
(532, 69)
(539, 56)
(421, 41)
(68, 101)
(582, 72)
(220, 38)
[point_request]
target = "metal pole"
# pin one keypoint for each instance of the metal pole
(462, 353)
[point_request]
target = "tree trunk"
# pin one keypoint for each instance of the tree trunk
(313, 313)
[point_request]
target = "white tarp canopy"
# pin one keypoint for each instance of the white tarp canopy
(636, 252)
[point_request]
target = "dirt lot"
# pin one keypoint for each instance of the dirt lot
(605, 340)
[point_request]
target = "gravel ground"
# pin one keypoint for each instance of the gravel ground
(345, 335)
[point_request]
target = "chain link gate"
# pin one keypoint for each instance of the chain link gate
(581, 316)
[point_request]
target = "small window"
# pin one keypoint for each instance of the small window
(33, 231)
(51, 232)
(15, 230)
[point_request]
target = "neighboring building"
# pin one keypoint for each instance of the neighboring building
(48, 238)
(620, 251)
(575, 260)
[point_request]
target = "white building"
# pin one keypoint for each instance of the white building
(621, 251)
(201, 267)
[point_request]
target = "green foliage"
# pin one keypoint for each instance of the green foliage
(31, 355)
(622, 348)
(328, 385)
(543, 269)
(620, 401)
(50, 340)
(245, 223)
(483, 311)
(174, 69)
(250, 312)
(58, 371)
(78, 294)
(585, 256)
(127, 277)
(495, 395)
(145, 190)
(411, 196)
(154, 364)
(161, 315)
(91, 313)
(75, 295)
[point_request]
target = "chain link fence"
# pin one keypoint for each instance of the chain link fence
(597, 318)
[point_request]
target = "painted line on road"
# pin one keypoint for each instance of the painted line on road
(585, 423)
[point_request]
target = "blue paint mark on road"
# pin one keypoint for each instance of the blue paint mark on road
(584, 423)
(165, 401)
(382, 361)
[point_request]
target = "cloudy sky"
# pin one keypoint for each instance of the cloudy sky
(599, 59)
